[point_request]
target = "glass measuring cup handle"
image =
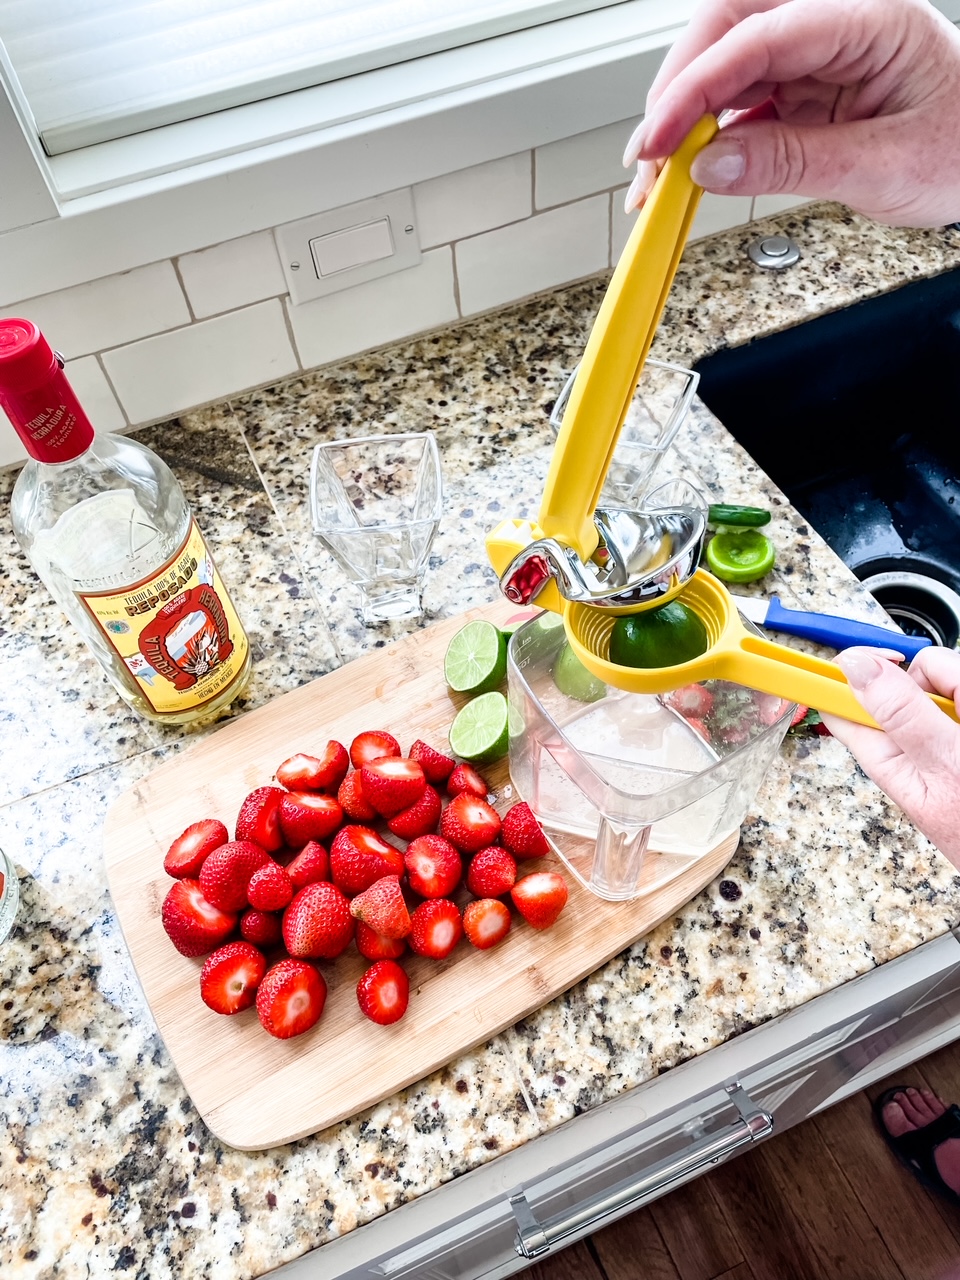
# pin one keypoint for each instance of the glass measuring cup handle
(814, 682)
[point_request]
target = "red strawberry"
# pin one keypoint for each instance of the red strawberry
(522, 834)
(392, 784)
(433, 866)
(318, 922)
(435, 928)
(372, 946)
(261, 927)
(259, 818)
(194, 925)
(466, 778)
(226, 873)
(770, 708)
(383, 992)
(540, 898)
(306, 816)
(486, 922)
(352, 800)
(371, 745)
(493, 872)
(270, 888)
(312, 863)
(469, 823)
(308, 773)
(382, 907)
(358, 857)
(436, 767)
(290, 998)
(186, 855)
(230, 977)
(691, 700)
(420, 818)
(699, 727)
(799, 716)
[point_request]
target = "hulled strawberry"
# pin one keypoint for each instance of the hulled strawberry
(352, 800)
(420, 818)
(469, 823)
(230, 977)
(466, 778)
(486, 922)
(522, 834)
(194, 925)
(315, 773)
(492, 873)
(270, 888)
(540, 898)
(262, 928)
(436, 767)
(358, 857)
(690, 700)
(226, 873)
(318, 922)
(433, 866)
(382, 907)
(259, 818)
(308, 815)
(371, 745)
(392, 783)
(383, 992)
(290, 998)
(435, 928)
(373, 946)
(186, 855)
(312, 863)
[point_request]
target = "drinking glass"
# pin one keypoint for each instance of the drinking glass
(375, 503)
(656, 411)
(9, 895)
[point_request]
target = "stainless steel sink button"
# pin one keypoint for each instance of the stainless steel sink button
(774, 253)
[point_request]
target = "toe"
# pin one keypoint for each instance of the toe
(936, 1105)
(894, 1120)
(914, 1108)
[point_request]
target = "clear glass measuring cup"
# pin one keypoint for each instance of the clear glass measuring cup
(611, 775)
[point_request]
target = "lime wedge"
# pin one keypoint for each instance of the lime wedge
(476, 658)
(572, 678)
(479, 733)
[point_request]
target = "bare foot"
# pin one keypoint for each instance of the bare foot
(913, 1109)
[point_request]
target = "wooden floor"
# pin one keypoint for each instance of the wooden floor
(825, 1200)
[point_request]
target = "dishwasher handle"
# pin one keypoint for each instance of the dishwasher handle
(534, 1238)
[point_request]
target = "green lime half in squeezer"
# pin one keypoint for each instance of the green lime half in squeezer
(661, 637)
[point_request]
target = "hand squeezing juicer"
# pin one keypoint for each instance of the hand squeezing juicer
(589, 564)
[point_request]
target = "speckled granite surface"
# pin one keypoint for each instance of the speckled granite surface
(104, 1165)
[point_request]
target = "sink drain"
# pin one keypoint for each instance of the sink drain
(920, 606)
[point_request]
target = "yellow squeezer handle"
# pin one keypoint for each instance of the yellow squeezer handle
(617, 348)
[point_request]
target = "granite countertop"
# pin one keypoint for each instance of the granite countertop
(104, 1164)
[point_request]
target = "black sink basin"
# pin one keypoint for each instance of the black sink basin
(856, 416)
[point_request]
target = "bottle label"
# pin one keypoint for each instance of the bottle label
(177, 631)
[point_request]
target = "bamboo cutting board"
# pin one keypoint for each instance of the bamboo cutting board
(346, 1063)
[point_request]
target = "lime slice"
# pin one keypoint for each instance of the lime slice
(572, 678)
(480, 731)
(743, 555)
(476, 658)
(661, 637)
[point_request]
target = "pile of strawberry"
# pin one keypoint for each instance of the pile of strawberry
(730, 713)
(308, 872)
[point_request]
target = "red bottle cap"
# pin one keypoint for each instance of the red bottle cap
(37, 397)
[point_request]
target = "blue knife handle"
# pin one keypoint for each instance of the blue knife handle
(841, 633)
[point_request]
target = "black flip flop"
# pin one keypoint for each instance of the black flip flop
(915, 1148)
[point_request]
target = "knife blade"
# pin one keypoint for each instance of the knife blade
(826, 628)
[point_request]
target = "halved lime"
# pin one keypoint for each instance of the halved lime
(742, 555)
(476, 658)
(572, 678)
(661, 637)
(480, 731)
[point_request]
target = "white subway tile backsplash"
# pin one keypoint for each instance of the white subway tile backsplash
(715, 213)
(378, 311)
(767, 206)
(95, 393)
(581, 165)
(206, 361)
(107, 312)
(473, 200)
(232, 274)
(544, 251)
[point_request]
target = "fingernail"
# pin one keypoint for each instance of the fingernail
(860, 667)
(633, 146)
(640, 186)
(721, 164)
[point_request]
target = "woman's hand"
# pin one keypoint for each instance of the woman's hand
(916, 760)
(850, 100)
